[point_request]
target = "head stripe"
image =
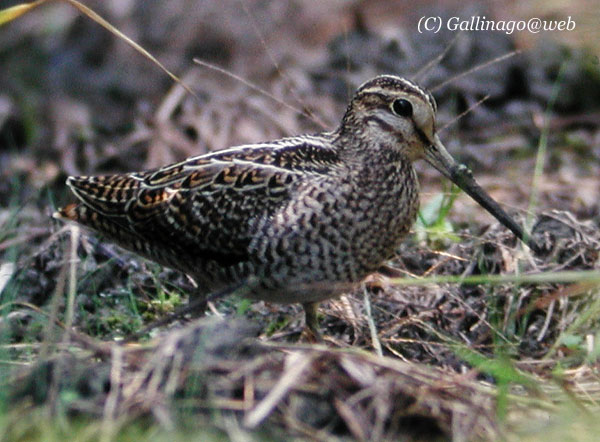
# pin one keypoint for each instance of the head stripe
(383, 83)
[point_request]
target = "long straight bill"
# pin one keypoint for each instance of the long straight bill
(461, 175)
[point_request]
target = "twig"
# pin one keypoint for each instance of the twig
(371, 322)
(476, 68)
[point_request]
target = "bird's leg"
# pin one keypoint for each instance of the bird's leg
(311, 322)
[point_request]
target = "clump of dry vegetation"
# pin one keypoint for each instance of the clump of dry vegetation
(212, 374)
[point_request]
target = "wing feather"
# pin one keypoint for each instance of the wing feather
(205, 207)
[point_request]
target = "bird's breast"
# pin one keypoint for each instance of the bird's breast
(335, 231)
(387, 209)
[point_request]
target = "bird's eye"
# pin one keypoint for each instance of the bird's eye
(402, 107)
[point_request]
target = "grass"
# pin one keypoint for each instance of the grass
(540, 158)
(530, 404)
(577, 351)
(44, 428)
(432, 222)
(554, 397)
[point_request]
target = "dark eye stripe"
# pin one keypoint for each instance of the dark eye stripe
(422, 136)
(385, 126)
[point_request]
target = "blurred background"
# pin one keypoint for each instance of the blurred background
(75, 99)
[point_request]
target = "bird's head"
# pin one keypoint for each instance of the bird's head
(394, 113)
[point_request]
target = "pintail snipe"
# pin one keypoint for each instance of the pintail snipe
(298, 220)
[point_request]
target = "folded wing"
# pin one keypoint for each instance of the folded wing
(203, 209)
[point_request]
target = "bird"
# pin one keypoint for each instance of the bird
(301, 219)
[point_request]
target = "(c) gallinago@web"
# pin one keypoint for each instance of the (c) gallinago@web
(297, 220)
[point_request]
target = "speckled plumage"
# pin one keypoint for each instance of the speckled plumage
(305, 217)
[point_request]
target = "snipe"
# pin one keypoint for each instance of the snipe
(300, 219)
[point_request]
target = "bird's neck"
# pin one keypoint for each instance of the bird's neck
(361, 152)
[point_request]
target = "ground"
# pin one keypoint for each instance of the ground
(480, 338)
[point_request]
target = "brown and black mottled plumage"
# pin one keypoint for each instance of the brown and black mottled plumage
(303, 218)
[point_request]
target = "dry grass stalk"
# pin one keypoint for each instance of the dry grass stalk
(211, 368)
